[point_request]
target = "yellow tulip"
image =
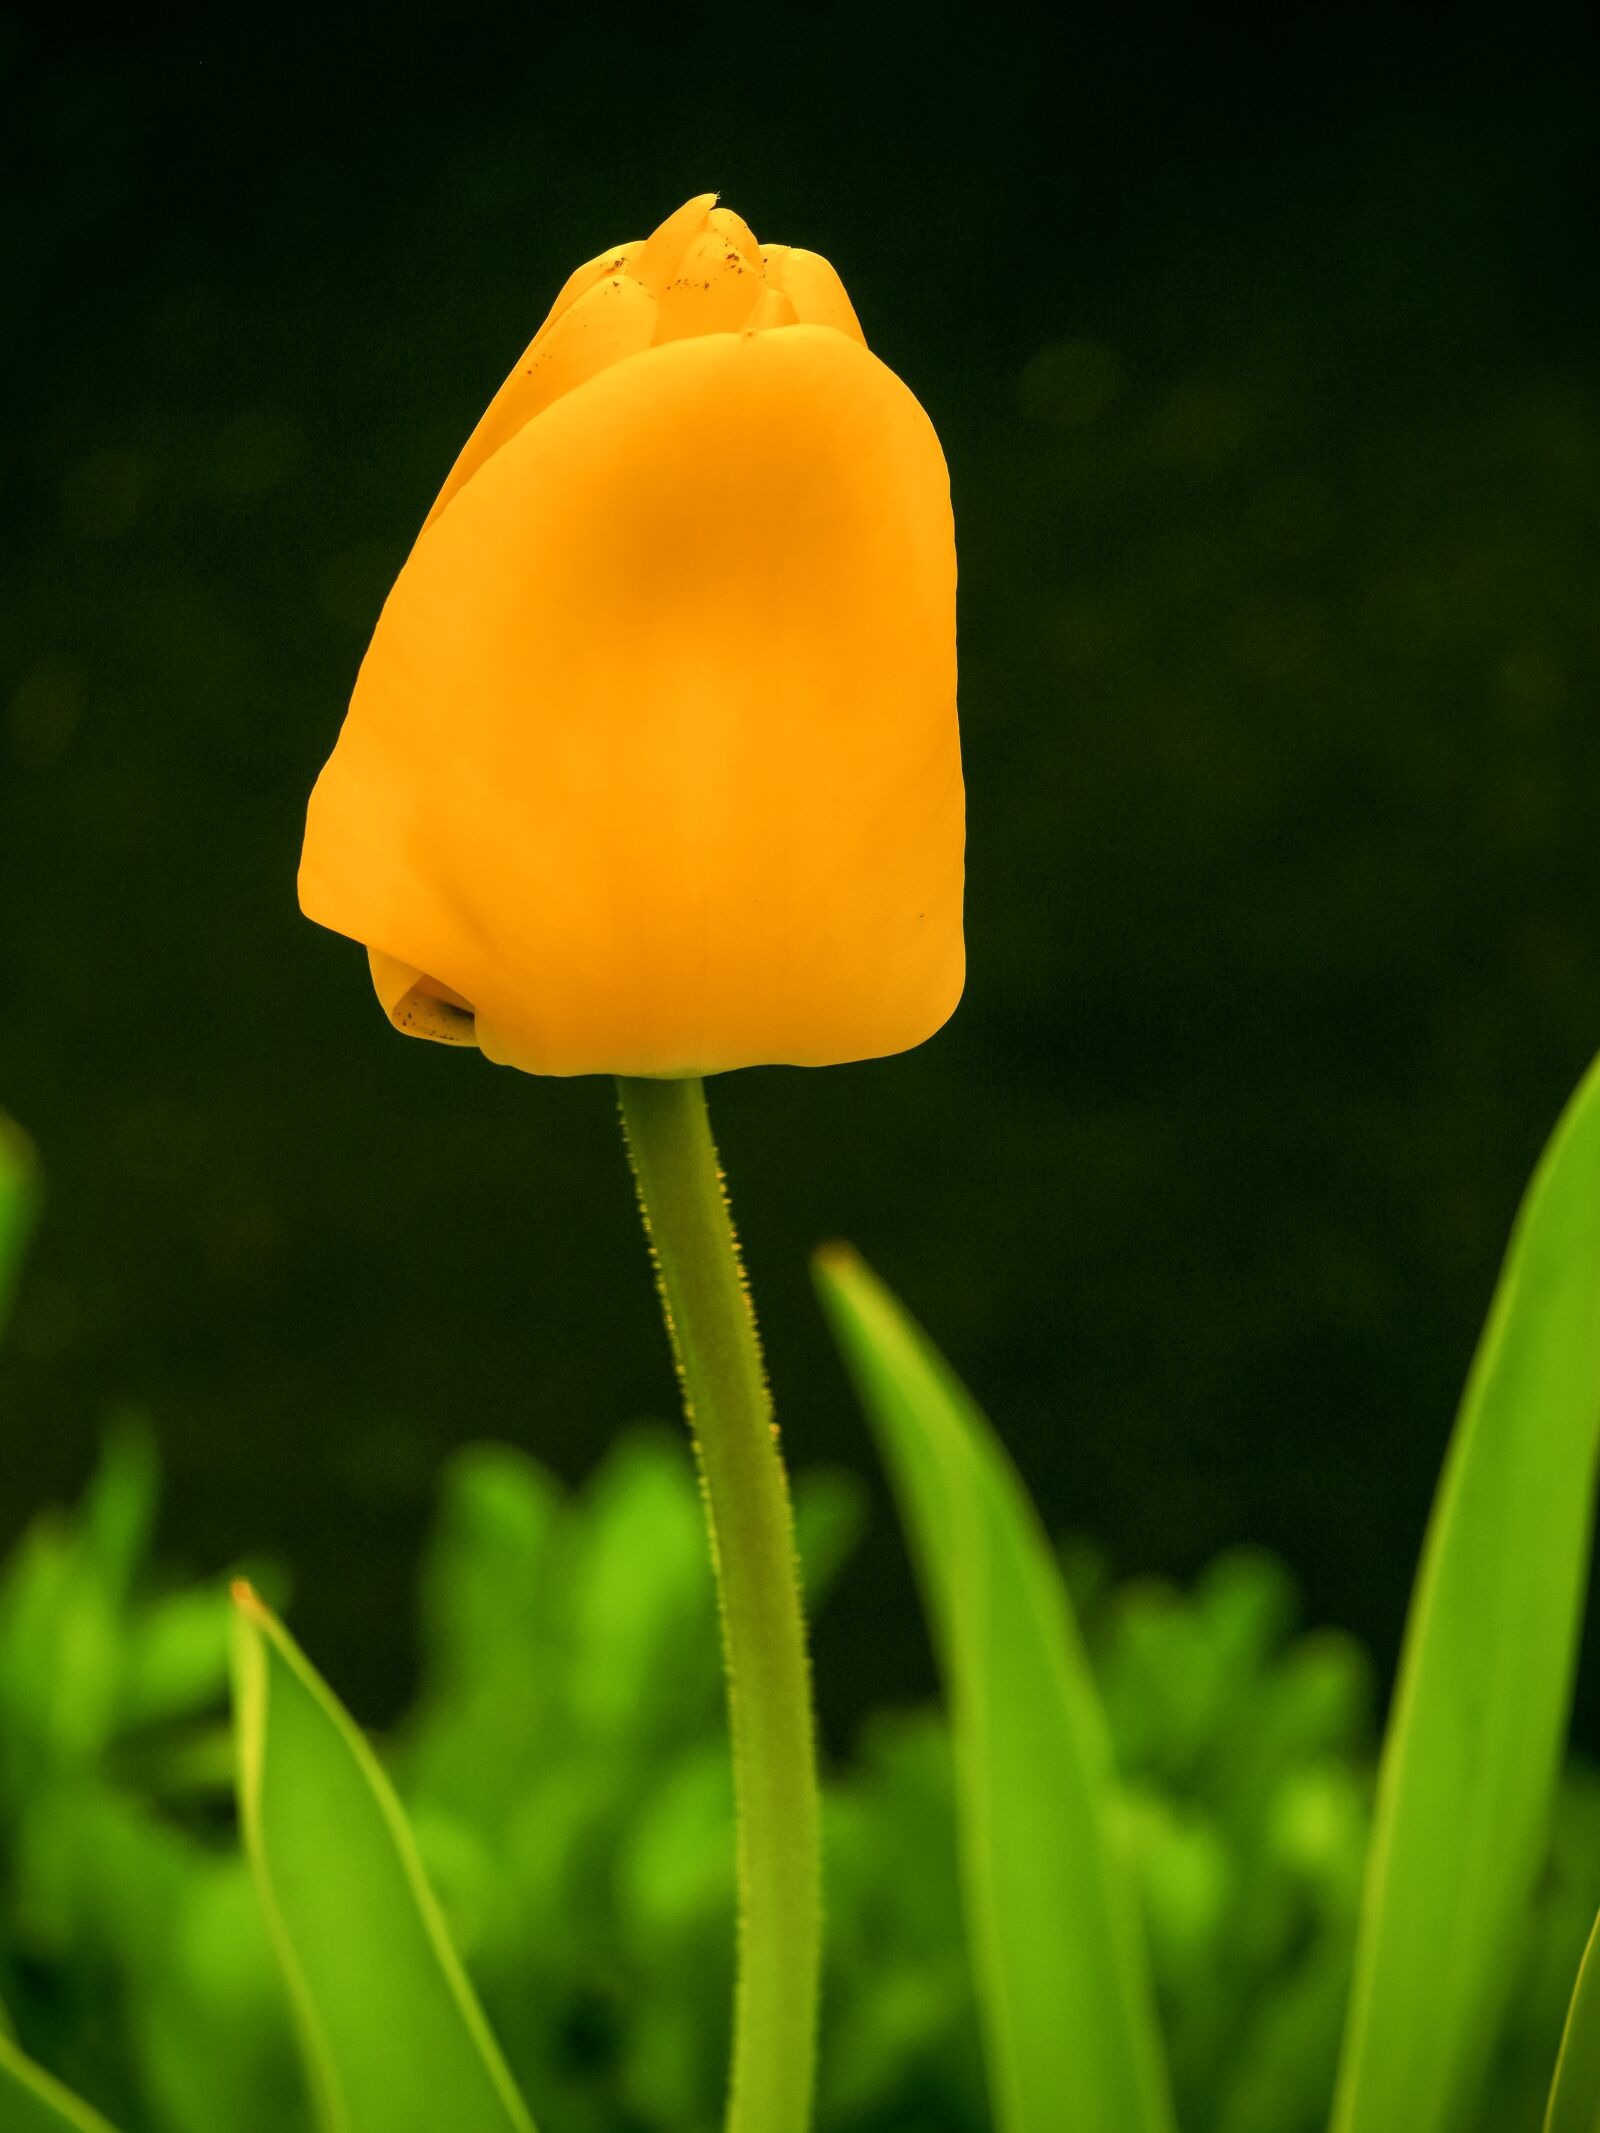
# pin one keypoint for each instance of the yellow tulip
(652, 765)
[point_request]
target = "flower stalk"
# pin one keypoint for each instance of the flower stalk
(712, 1327)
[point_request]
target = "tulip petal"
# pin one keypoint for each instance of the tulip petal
(611, 319)
(737, 232)
(582, 279)
(714, 290)
(656, 261)
(772, 308)
(653, 757)
(417, 1005)
(817, 293)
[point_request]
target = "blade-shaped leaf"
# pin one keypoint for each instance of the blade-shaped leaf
(1476, 1732)
(1575, 2092)
(1059, 1964)
(393, 2038)
(32, 2101)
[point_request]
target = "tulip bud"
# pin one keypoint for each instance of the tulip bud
(652, 765)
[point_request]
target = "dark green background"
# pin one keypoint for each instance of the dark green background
(1266, 369)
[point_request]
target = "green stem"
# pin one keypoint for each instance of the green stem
(713, 1332)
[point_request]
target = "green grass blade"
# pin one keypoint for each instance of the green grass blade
(1057, 1955)
(393, 2038)
(32, 2101)
(1475, 1736)
(1575, 2092)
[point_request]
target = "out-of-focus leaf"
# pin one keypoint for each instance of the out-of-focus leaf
(63, 1599)
(393, 2037)
(492, 1635)
(1475, 1735)
(483, 1609)
(674, 1881)
(198, 2008)
(1059, 1963)
(830, 1516)
(899, 2032)
(19, 1207)
(645, 1658)
(207, 2024)
(58, 1656)
(119, 1510)
(32, 2101)
(1575, 2092)
(175, 1656)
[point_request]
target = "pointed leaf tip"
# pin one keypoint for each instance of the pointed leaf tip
(392, 2035)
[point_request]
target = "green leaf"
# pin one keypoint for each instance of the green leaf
(63, 1617)
(830, 1516)
(1575, 2091)
(1058, 1960)
(393, 2038)
(1480, 1712)
(117, 1516)
(32, 2101)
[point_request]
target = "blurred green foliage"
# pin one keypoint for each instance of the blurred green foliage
(564, 1765)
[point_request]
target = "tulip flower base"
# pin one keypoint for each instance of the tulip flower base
(711, 1323)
